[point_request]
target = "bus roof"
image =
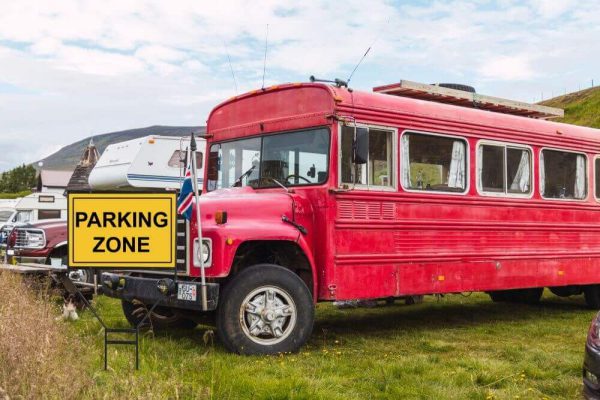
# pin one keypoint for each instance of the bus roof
(281, 107)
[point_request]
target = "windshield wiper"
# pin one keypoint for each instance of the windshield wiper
(278, 183)
(238, 181)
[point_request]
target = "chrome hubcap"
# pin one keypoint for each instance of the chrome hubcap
(268, 315)
(79, 275)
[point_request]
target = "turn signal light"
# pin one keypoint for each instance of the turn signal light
(221, 217)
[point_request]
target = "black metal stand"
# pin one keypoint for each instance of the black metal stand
(108, 341)
(71, 288)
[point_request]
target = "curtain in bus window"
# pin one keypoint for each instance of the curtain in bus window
(579, 192)
(520, 182)
(405, 170)
(456, 175)
(542, 174)
(480, 166)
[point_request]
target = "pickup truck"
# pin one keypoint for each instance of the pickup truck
(42, 242)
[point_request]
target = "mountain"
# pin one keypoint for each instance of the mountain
(581, 108)
(68, 156)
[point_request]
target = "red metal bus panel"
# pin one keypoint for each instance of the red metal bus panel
(374, 244)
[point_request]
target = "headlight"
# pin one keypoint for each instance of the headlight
(35, 240)
(203, 253)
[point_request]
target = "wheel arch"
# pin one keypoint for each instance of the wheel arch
(292, 255)
(59, 248)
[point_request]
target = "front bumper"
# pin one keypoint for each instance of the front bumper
(14, 259)
(591, 365)
(145, 290)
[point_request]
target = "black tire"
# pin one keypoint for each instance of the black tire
(161, 318)
(497, 296)
(458, 86)
(526, 296)
(286, 289)
(591, 294)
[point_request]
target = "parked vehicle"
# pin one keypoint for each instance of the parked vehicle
(591, 362)
(6, 214)
(319, 193)
(43, 242)
(146, 163)
(39, 206)
(34, 207)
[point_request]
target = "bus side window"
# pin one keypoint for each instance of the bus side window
(503, 169)
(433, 163)
(379, 169)
(597, 177)
(562, 175)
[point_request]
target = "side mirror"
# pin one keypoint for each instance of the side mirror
(312, 172)
(360, 146)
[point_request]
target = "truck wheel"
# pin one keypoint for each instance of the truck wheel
(265, 309)
(527, 296)
(591, 294)
(161, 318)
(498, 296)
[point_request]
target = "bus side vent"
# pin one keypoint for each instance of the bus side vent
(362, 210)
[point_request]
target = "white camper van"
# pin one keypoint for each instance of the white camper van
(7, 209)
(150, 162)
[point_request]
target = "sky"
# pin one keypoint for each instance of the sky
(70, 69)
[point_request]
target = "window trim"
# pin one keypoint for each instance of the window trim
(596, 157)
(587, 191)
(467, 166)
(261, 136)
(360, 186)
(481, 192)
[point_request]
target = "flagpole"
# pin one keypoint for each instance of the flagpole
(203, 294)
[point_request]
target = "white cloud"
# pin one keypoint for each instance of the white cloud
(86, 66)
(507, 68)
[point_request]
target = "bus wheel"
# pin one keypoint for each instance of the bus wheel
(265, 309)
(497, 296)
(527, 296)
(591, 294)
(161, 318)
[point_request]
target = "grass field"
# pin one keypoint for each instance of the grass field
(454, 347)
(581, 108)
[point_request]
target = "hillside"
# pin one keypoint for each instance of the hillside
(581, 108)
(68, 156)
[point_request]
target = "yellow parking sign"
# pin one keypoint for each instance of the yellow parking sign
(109, 230)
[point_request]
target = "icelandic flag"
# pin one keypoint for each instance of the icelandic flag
(186, 196)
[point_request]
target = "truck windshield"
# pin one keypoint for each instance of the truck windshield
(293, 159)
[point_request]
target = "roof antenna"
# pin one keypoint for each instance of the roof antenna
(231, 68)
(265, 60)
(365, 55)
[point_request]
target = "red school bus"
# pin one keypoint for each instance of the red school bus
(318, 193)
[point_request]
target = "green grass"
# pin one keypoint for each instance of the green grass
(14, 195)
(581, 108)
(452, 348)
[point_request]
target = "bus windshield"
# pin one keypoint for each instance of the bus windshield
(292, 159)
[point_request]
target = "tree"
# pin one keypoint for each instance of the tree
(18, 179)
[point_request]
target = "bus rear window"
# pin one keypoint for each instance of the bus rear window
(433, 163)
(562, 175)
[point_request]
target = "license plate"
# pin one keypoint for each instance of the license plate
(186, 291)
(10, 252)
